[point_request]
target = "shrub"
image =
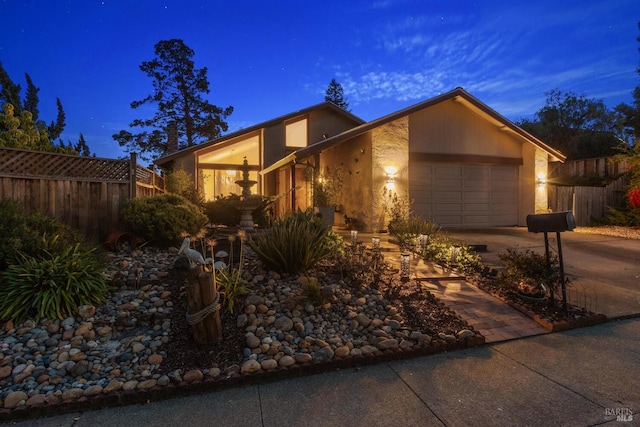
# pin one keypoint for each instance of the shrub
(23, 233)
(52, 285)
(448, 254)
(224, 210)
(527, 265)
(408, 231)
(296, 243)
(181, 183)
(624, 217)
(163, 218)
(12, 229)
(398, 209)
(313, 292)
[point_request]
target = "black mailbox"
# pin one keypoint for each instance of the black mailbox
(556, 221)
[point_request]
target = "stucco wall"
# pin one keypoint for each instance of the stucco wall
(450, 128)
(533, 198)
(327, 122)
(354, 157)
(273, 144)
(541, 171)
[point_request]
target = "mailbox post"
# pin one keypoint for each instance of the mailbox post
(553, 222)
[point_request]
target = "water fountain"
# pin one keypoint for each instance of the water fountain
(247, 203)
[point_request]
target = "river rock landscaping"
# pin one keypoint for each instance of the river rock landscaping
(138, 345)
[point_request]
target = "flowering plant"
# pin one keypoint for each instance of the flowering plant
(634, 197)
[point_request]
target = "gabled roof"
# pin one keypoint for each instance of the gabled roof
(193, 148)
(458, 94)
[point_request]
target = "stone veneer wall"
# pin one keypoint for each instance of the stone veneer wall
(390, 147)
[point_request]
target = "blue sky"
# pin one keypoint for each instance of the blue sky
(267, 59)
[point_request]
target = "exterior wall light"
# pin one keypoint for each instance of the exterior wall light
(405, 266)
(541, 180)
(391, 172)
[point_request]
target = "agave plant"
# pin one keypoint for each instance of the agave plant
(296, 243)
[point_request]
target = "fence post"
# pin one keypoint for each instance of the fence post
(133, 163)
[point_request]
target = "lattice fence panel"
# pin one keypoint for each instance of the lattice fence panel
(14, 162)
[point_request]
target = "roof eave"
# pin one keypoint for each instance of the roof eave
(170, 157)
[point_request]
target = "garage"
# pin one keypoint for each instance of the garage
(465, 196)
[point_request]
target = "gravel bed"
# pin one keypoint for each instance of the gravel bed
(139, 341)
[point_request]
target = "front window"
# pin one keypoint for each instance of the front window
(222, 182)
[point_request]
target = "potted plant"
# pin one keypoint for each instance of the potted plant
(326, 187)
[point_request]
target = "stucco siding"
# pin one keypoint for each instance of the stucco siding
(450, 128)
(327, 123)
(353, 158)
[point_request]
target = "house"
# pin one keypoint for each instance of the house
(455, 159)
(215, 165)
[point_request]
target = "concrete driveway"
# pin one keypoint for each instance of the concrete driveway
(604, 270)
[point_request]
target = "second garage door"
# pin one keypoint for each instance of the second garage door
(456, 195)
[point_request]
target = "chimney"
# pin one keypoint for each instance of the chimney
(172, 137)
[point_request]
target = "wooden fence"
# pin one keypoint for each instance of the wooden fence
(601, 166)
(84, 192)
(587, 202)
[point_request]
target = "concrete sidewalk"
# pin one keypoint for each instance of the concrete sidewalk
(582, 377)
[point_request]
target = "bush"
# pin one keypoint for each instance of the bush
(181, 183)
(23, 233)
(52, 285)
(408, 231)
(531, 266)
(163, 218)
(296, 243)
(448, 254)
(224, 210)
(12, 229)
(313, 292)
(624, 217)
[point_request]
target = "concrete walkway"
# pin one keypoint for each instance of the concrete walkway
(604, 270)
(583, 377)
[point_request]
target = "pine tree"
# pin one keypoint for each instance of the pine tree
(178, 89)
(335, 94)
(10, 94)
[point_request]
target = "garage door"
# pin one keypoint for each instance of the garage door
(466, 196)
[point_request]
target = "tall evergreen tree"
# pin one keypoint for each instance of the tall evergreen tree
(31, 98)
(10, 94)
(335, 94)
(178, 89)
(55, 128)
(81, 147)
